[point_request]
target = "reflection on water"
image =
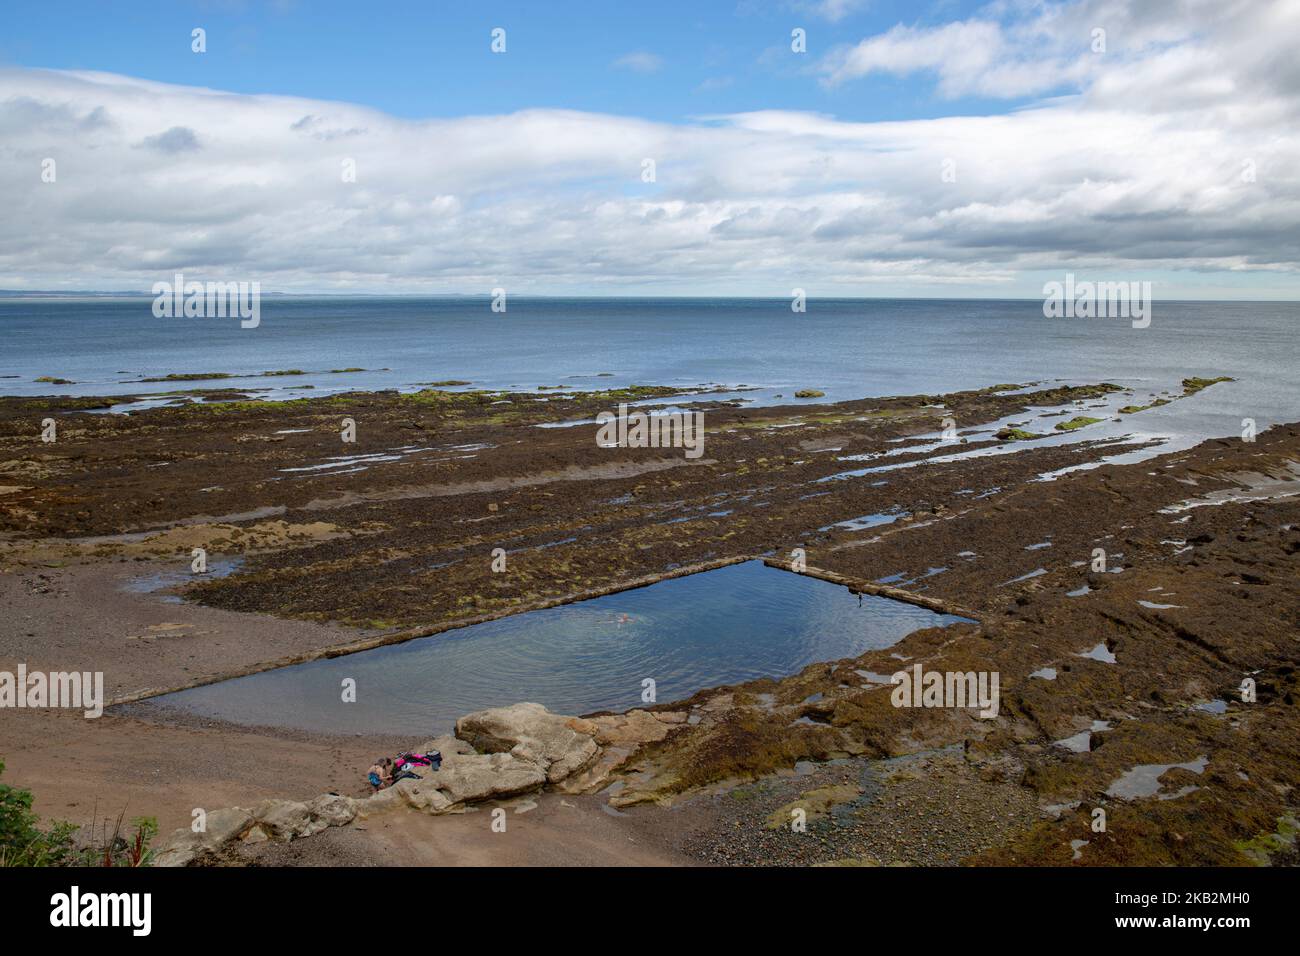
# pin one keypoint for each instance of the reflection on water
(1144, 779)
(718, 627)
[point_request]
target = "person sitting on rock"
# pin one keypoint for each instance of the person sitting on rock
(381, 774)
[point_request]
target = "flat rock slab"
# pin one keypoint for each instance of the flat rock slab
(467, 778)
(559, 745)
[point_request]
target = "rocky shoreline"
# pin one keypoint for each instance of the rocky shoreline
(1121, 688)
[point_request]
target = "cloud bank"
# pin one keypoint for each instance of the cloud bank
(1175, 149)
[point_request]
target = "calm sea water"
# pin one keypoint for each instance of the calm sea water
(717, 627)
(847, 348)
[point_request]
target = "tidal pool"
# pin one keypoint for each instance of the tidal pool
(717, 627)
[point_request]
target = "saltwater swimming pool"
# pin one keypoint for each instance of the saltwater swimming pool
(723, 626)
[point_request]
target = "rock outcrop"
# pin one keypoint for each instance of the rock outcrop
(473, 777)
(559, 745)
(496, 753)
(279, 820)
(221, 827)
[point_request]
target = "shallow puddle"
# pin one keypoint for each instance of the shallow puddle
(718, 627)
(1144, 779)
(1099, 653)
(867, 521)
(1024, 577)
(1081, 743)
(174, 578)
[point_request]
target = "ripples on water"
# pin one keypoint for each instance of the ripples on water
(717, 627)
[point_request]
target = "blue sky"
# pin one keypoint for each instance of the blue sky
(433, 59)
(673, 148)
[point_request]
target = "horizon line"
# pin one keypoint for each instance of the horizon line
(133, 294)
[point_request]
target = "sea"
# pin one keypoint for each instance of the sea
(846, 348)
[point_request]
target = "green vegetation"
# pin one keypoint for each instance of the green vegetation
(51, 380)
(1017, 434)
(1190, 387)
(1080, 421)
(815, 804)
(633, 393)
(1193, 385)
(206, 376)
(1134, 409)
(1068, 393)
(57, 403)
(433, 396)
(340, 371)
(24, 843)
(809, 393)
(1264, 847)
(21, 843)
(188, 377)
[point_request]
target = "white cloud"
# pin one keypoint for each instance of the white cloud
(1017, 48)
(640, 62)
(962, 54)
(833, 10)
(1139, 169)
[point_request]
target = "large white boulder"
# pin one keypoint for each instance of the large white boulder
(332, 810)
(282, 820)
(559, 745)
(467, 778)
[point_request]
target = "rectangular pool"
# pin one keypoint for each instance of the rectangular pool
(723, 626)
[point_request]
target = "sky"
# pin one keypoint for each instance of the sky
(718, 147)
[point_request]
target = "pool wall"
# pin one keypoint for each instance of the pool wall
(411, 634)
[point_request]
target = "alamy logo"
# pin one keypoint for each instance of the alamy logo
(73, 689)
(103, 909)
(642, 430)
(208, 300)
(956, 689)
(1100, 300)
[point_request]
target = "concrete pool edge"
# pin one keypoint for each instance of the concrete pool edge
(878, 590)
(410, 634)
